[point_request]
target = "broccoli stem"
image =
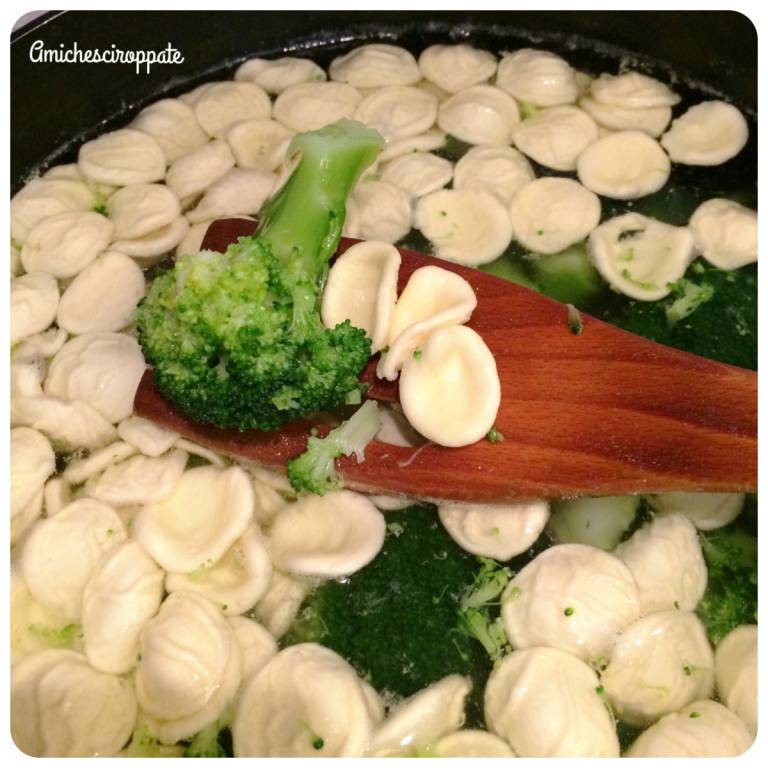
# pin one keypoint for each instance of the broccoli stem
(303, 220)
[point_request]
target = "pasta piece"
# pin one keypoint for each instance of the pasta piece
(194, 172)
(41, 199)
(736, 673)
(305, 701)
(256, 644)
(639, 256)
(190, 669)
(482, 114)
(710, 133)
(237, 581)
(498, 531)
(375, 66)
(140, 209)
(32, 463)
(207, 512)
(34, 301)
(597, 522)
(383, 210)
(455, 67)
(280, 605)
(551, 213)
(204, 453)
(702, 729)
(394, 429)
(422, 719)
(500, 170)
(225, 104)
(556, 137)
(624, 165)
(61, 707)
(192, 97)
(426, 142)
(41, 345)
(275, 75)
(103, 369)
(432, 298)
(57, 495)
(725, 233)
(469, 226)
(123, 593)
(657, 665)
(398, 111)
(173, 125)
(61, 553)
(121, 158)
(572, 597)
(706, 511)
(154, 245)
(26, 516)
(310, 106)
(103, 296)
(537, 77)
(362, 288)
(450, 393)
(146, 436)
(632, 90)
(418, 174)
(545, 703)
(650, 120)
(472, 743)
(667, 563)
(63, 245)
(80, 470)
(259, 144)
(329, 536)
(239, 191)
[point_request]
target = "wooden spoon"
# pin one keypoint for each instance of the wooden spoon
(601, 413)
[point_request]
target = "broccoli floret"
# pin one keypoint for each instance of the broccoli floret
(207, 742)
(236, 339)
(314, 471)
(690, 296)
(64, 637)
(144, 745)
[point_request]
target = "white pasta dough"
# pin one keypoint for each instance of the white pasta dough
(469, 226)
(702, 729)
(305, 701)
(146, 436)
(173, 125)
(259, 144)
(140, 209)
(706, 511)
(237, 581)
(40, 345)
(624, 165)
(650, 120)
(122, 594)
(498, 531)
(418, 173)
(375, 66)
(423, 718)
(147, 248)
(63, 245)
(362, 288)
(328, 536)
(193, 240)
(571, 597)
(551, 213)
(666, 560)
(32, 463)
(725, 233)
(103, 369)
(122, 157)
(61, 553)
(383, 211)
(190, 667)
(639, 256)
(425, 142)
(241, 190)
(432, 298)
(709, 133)
(208, 511)
(310, 106)
(81, 469)
(657, 665)
(482, 114)
(472, 743)
(597, 522)
(195, 171)
(556, 137)
(501, 170)
(632, 90)
(537, 77)
(103, 296)
(275, 75)
(455, 67)
(398, 111)
(34, 301)
(736, 673)
(450, 393)
(278, 607)
(544, 703)
(224, 104)
(61, 707)
(256, 644)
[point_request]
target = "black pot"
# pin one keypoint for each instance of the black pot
(54, 107)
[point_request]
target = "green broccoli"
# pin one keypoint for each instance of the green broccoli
(314, 471)
(236, 339)
(690, 296)
(63, 637)
(207, 743)
(144, 745)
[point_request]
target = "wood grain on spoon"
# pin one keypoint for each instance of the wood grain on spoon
(602, 413)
